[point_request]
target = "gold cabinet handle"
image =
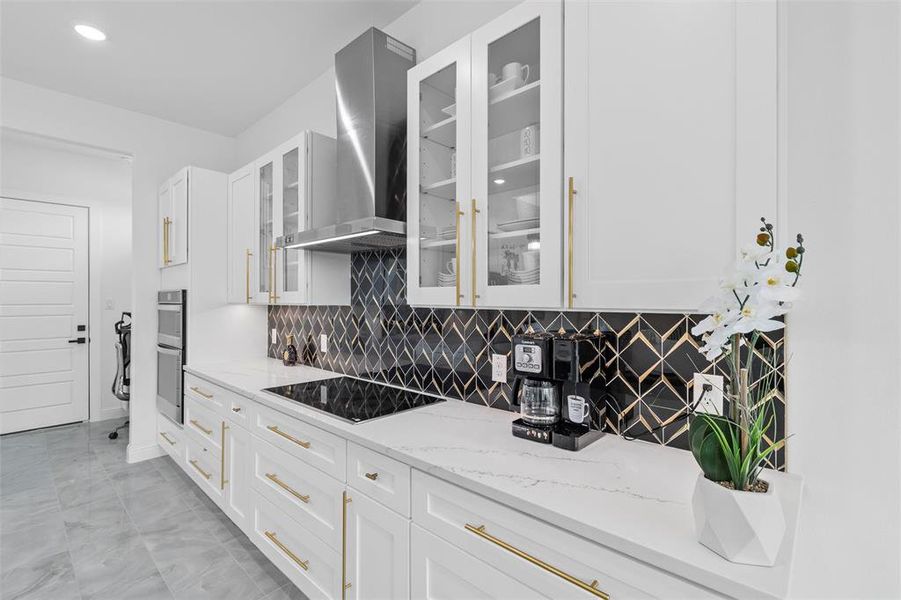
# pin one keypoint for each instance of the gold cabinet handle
(303, 564)
(167, 222)
(274, 479)
(201, 471)
(167, 438)
(458, 213)
(372, 476)
(345, 500)
(274, 429)
(201, 427)
(222, 479)
(569, 259)
(591, 588)
(472, 234)
(247, 255)
(206, 395)
(273, 274)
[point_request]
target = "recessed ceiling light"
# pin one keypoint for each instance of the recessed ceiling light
(91, 33)
(500, 181)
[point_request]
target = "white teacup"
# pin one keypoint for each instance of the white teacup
(515, 70)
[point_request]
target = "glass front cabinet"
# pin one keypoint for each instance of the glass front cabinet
(484, 166)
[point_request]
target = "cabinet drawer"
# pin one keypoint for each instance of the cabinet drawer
(171, 438)
(301, 491)
(381, 478)
(202, 424)
(239, 410)
(500, 535)
(309, 563)
(308, 443)
(204, 465)
(210, 395)
(441, 570)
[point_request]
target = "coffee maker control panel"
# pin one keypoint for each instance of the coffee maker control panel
(527, 358)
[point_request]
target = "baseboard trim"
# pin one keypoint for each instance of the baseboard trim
(109, 414)
(139, 453)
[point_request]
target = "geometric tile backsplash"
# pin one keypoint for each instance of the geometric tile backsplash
(650, 357)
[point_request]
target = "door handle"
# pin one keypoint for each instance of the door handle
(80, 340)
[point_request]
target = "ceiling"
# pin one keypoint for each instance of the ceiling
(218, 66)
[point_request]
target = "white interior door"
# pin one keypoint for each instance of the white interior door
(43, 301)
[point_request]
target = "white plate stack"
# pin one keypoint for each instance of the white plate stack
(525, 277)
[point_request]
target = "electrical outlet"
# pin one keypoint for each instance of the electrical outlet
(323, 343)
(108, 305)
(713, 401)
(274, 336)
(499, 368)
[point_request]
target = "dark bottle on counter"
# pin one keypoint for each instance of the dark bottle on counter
(289, 357)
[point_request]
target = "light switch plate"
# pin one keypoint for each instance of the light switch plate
(713, 401)
(499, 368)
(323, 343)
(274, 336)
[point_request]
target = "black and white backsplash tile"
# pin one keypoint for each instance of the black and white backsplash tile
(649, 358)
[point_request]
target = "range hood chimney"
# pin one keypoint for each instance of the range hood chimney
(371, 103)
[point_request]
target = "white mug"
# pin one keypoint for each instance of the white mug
(578, 408)
(528, 141)
(530, 260)
(514, 70)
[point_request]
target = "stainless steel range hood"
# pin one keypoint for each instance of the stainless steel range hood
(371, 102)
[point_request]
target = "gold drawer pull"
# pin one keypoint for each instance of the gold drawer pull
(276, 430)
(201, 392)
(167, 438)
(201, 427)
(591, 588)
(202, 472)
(303, 564)
(236, 409)
(274, 479)
(372, 476)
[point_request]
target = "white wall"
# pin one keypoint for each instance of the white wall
(429, 26)
(839, 179)
(32, 167)
(158, 148)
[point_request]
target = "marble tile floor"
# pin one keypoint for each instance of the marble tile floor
(78, 522)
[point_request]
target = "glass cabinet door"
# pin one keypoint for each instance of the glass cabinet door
(438, 177)
(517, 156)
(289, 281)
(265, 232)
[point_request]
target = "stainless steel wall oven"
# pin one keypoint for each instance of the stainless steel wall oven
(170, 352)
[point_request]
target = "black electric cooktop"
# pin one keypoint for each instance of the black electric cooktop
(353, 400)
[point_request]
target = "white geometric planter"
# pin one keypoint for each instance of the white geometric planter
(742, 527)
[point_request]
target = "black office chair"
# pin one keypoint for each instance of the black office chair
(122, 382)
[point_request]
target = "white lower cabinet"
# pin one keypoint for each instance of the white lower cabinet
(441, 571)
(346, 522)
(377, 550)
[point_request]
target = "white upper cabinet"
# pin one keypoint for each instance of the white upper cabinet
(438, 124)
(670, 129)
(273, 197)
(241, 245)
(173, 220)
(516, 157)
(484, 165)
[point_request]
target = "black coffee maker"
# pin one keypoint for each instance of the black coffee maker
(557, 405)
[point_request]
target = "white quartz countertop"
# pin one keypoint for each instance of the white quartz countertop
(632, 496)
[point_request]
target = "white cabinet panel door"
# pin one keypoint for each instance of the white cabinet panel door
(241, 266)
(238, 475)
(378, 550)
(670, 128)
(43, 300)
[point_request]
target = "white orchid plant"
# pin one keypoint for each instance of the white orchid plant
(761, 288)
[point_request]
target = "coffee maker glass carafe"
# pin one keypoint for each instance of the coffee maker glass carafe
(539, 402)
